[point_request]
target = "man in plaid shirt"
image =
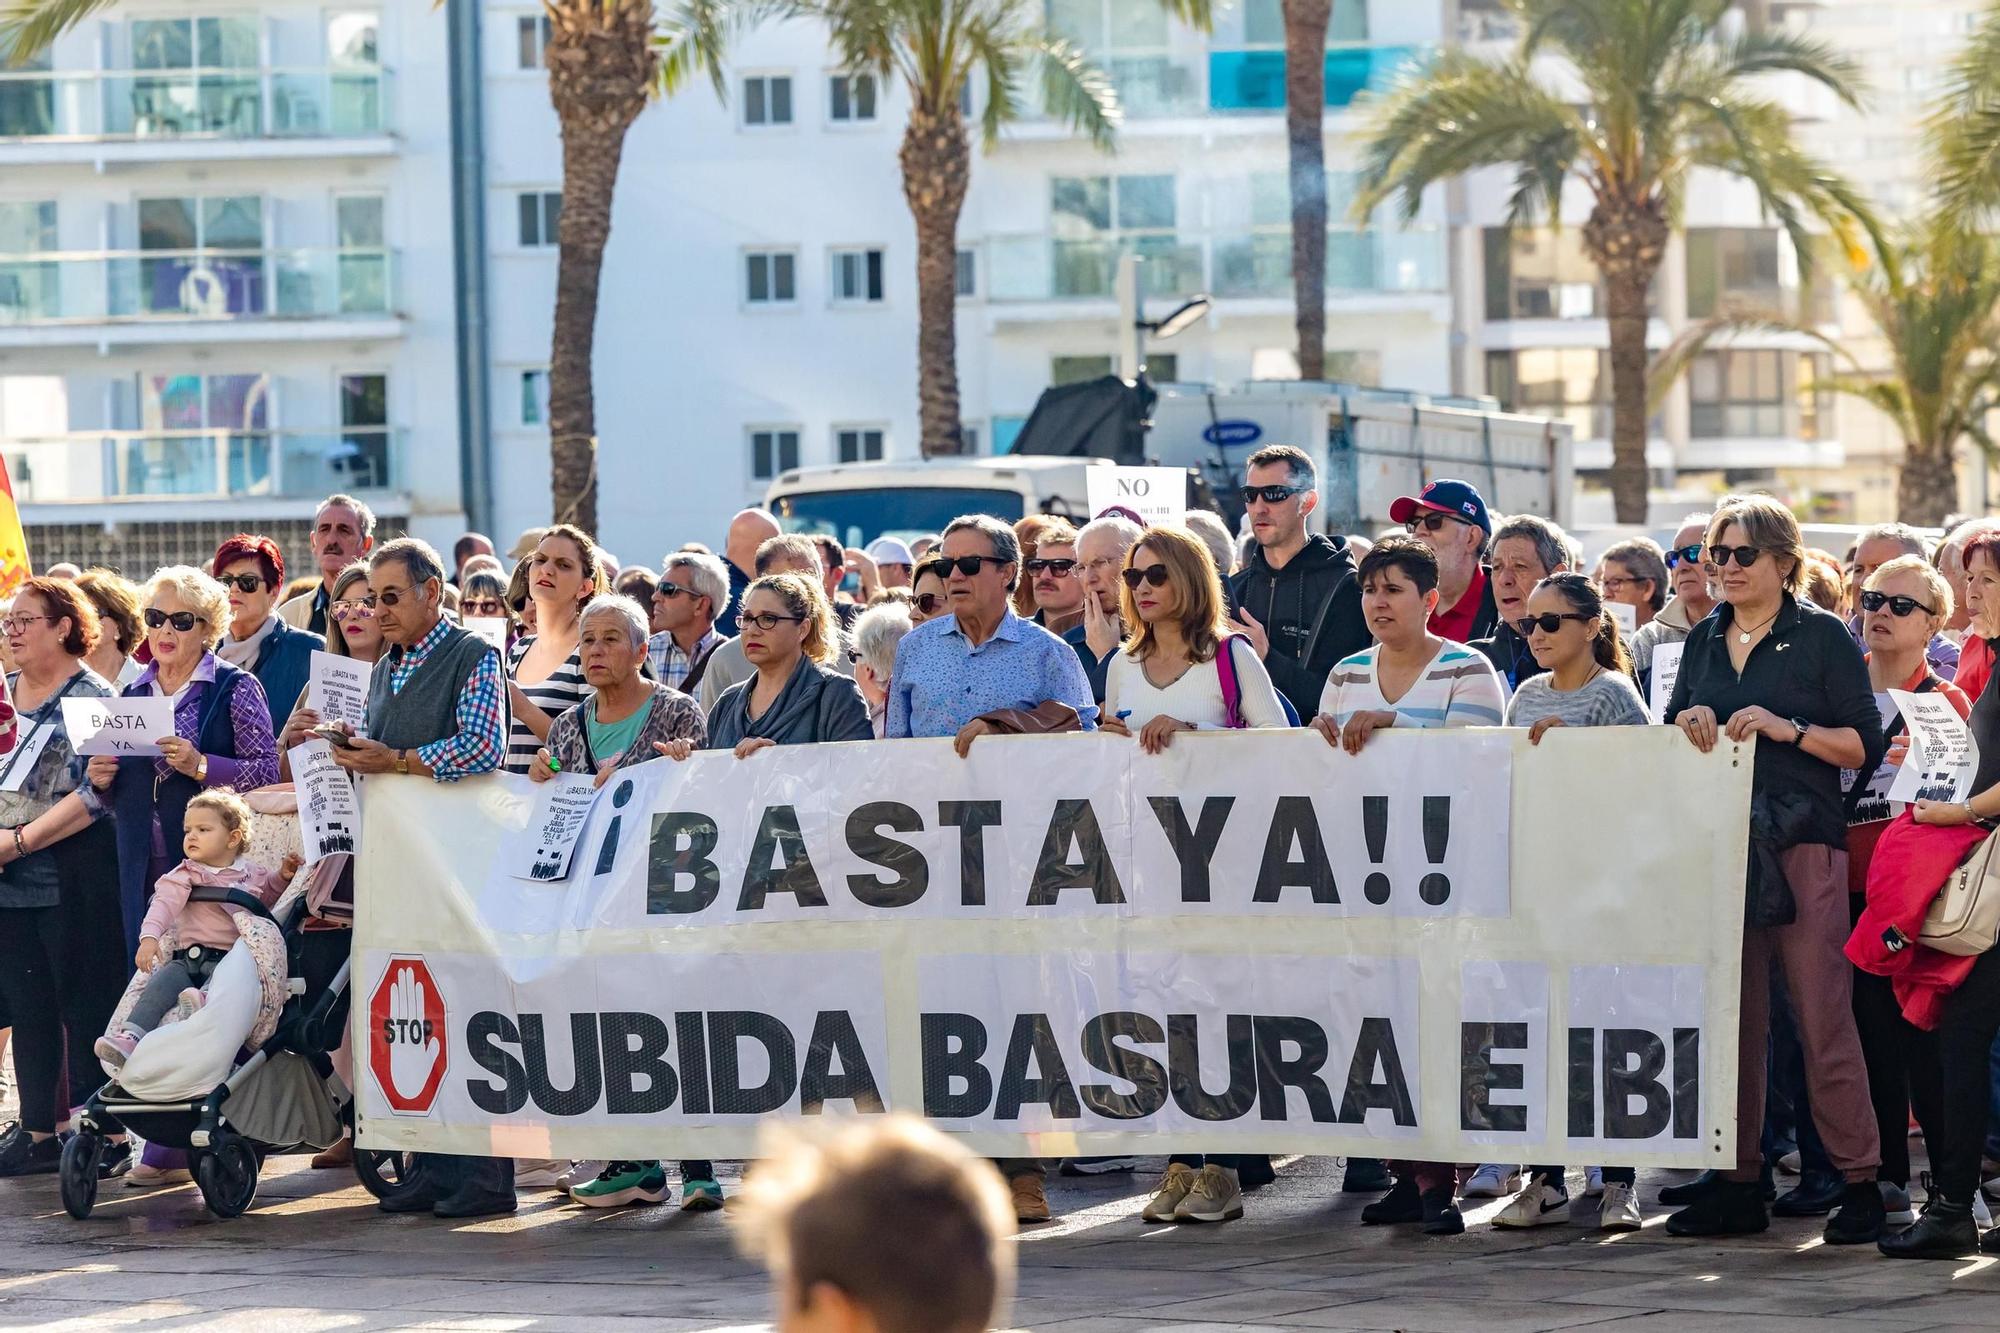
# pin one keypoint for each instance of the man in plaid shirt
(692, 592)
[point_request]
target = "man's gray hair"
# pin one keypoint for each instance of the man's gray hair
(877, 633)
(1005, 544)
(624, 609)
(417, 556)
(1124, 529)
(1554, 547)
(362, 512)
(705, 575)
(1912, 541)
(1204, 524)
(796, 547)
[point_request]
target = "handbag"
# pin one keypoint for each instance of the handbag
(1232, 693)
(1964, 918)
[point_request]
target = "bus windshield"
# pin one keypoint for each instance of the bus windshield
(855, 518)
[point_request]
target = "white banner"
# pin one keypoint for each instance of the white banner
(1451, 947)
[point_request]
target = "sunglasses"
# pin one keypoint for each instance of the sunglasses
(1431, 522)
(1745, 556)
(1153, 574)
(243, 582)
(929, 602)
(669, 589)
(1548, 622)
(386, 597)
(349, 610)
(180, 620)
(967, 565)
(1902, 606)
(482, 606)
(1271, 495)
(767, 621)
(1684, 555)
(1062, 569)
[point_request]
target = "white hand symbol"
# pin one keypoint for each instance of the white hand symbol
(413, 1051)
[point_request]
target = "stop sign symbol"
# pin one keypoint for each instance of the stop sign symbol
(408, 1041)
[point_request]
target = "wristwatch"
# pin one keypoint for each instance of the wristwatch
(201, 771)
(1800, 725)
(403, 762)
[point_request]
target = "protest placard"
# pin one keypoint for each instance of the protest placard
(1943, 756)
(541, 849)
(1666, 670)
(493, 629)
(119, 725)
(329, 815)
(337, 689)
(1156, 494)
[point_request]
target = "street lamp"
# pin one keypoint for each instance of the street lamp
(1136, 327)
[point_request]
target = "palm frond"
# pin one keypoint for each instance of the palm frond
(1673, 360)
(1075, 91)
(28, 26)
(1767, 51)
(693, 39)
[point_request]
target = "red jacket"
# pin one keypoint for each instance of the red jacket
(1912, 862)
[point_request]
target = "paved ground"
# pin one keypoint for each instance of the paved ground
(314, 1254)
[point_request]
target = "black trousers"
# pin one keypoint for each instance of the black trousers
(1903, 1073)
(1965, 1051)
(31, 981)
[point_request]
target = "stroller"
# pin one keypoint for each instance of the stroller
(231, 1111)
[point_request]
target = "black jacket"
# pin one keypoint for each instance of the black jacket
(1509, 654)
(1311, 609)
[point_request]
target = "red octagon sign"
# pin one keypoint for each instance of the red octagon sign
(408, 1041)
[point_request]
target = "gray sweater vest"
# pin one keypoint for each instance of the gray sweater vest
(426, 708)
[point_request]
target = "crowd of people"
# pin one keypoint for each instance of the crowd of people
(570, 663)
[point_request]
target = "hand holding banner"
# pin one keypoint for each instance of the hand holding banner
(121, 726)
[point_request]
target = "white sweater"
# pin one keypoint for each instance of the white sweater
(1195, 698)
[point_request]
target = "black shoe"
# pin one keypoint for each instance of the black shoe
(1861, 1217)
(1254, 1172)
(476, 1203)
(1400, 1205)
(1990, 1242)
(1814, 1196)
(1945, 1231)
(1441, 1215)
(1732, 1209)
(1365, 1175)
(416, 1199)
(24, 1155)
(116, 1161)
(1693, 1191)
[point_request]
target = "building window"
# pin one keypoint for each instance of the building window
(363, 462)
(966, 281)
(857, 277)
(1163, 367)
(1734, 267)
(1540, 274)
(226, 281)
(1093, 219)
(533, 39)
(769, 277)
(534, 398)
(540, 211)
(1745, 395)
(968, 439)
(363, 262)
(1077, 369)
(772, 452)
(28, 289)
(28, 106)
(1571, 384)
(767, 100)
(858, 444)
(851, 98)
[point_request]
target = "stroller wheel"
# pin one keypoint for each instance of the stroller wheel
(227, 1174)
(79, 1173)
(384, 1173)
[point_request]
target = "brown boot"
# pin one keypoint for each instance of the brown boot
(339, 1155)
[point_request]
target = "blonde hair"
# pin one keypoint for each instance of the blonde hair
(1191, 571)
(231, 809)
(198, 592)
(1768, 526)
(802, 597)
(1934, 582)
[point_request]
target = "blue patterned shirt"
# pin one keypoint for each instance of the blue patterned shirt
(481, 741)
(941, 681)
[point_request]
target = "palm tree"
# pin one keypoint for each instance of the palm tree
(1965, 126)
(1305, 142)
(938, 49)
(1665, 90)
(605, 59)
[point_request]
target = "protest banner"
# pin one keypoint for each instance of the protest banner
(329, 815)
(1155, 494)
(119, 725)
(1666, 670)
(337, 689)
(1453, 946)
(1943, 757)
(542, 849)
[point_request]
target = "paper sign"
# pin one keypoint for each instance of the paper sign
(128, 725)
(1627, 617)
(1156, 494)
(1666, 670)
(27, 752)
(337, 689)
(329, 815)
(543, 850)
(1943, 757)
(493, 629)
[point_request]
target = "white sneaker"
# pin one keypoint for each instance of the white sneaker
(1981, 1214)
(1492, 1181)
(1593, 1181)
(1215, 1197)
(541, 1173)
(1539, 1205)
(1620, 1209)
(1789, 1163)
(1174, 1186)
(581, 1173)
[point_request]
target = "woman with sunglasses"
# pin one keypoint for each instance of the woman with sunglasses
(251, 570)
(927, 597)
(1769, 664)
(484, 597)
(351, 631)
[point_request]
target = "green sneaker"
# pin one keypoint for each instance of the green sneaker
(700, 1196)
(622, 1183)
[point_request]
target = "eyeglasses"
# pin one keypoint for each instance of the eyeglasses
(669, 589)
(1153, 574)
(481, 606)
(182, 621)
(853, 656)
(243, 582)
(349, 610)
(1272, 495)
(1548, 622)
(1745, 556)
(15, 624)
(929, 602)
(386, 597)
(967, 565)
(1870, 601)
(1615, 582)
(1681, 555)
(1431, 522)
(1062, 569)
(767, 621)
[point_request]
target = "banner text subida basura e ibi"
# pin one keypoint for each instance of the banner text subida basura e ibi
(1454, 946)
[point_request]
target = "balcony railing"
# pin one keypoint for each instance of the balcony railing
(125, 466)
(1195, 83)
(134, 286)
(328, 102)
(1239, 264)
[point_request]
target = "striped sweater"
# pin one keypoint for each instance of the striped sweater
(1458, 689)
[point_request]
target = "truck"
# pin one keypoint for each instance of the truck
(1369, 445)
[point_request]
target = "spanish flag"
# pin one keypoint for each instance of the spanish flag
(14, 567)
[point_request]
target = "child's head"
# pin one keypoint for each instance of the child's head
(216, 828)
(884, 1225)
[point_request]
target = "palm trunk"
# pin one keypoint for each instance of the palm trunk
(601, 67)
(1927, 489)
(937, 166)
(1305, 113)
(1627, 241)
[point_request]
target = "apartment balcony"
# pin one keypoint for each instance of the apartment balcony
(99, 117)
(180, 296)
(59, 473)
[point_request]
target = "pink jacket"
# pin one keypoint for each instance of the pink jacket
(207, 924)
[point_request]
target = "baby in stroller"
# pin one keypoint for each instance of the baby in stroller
(217, 830)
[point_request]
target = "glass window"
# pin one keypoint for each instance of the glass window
(1264, 22)
(534, 397)
(1571, 384)
(1540, 274)
(772, 452)
(1738, 394)
(1080, 204)
(1077, 369)
(531, 40)
(27, 226)
(28, 106)
(358, 221)
(857, 275)
(852, 97)
(1145, 202)
(167, 224)
(966, 282)
(767, 99)
(162, 43)
(855, 445)
(233, 223)
(355, 39)
(540, 217)
(769, 277)
(1733, 266)
(226, 43)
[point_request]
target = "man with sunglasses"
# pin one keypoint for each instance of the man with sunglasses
(1450, 517)
(1878, 546)
(1052, 567)
(252, 570)
(1296, 598)
(343, 531)
(1693, 599)
(692, 590)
